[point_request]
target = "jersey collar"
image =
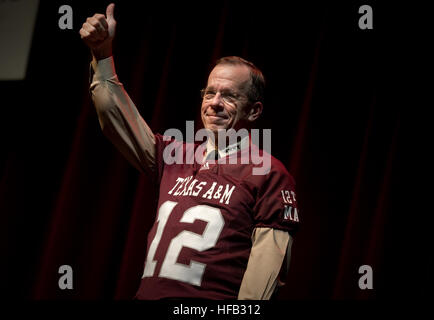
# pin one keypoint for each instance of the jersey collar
(243, 143)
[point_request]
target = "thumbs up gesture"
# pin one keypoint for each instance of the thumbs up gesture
(98, 32)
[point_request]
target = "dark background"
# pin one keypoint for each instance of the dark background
(340, 123)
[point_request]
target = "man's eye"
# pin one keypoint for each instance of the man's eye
(230, 96)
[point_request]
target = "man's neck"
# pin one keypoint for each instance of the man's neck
(229, 145)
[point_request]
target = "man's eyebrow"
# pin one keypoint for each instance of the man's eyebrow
(230, 90)
(223, 90)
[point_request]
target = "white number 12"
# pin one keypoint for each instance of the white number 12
(170, 268)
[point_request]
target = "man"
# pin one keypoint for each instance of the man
(220, 232)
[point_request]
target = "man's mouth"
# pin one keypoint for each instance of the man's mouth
(217, 116)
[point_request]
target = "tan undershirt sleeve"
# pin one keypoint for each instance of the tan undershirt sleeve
(119, 118)
(266, 261)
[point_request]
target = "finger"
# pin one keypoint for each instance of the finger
(86, 36)
(88, 27)
(110, 11)
(83, 33)
(102, 20)
(103, 32)
(96, 23)
(92, 31)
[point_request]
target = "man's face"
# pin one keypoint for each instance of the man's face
(225, 104)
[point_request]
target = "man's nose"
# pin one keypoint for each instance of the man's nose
(217, 100)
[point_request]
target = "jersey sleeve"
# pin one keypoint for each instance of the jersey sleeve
(276, 204)
(119, 118)
(168, 150)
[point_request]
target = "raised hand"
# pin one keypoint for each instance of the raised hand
(98, 32)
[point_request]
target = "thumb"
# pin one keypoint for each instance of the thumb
(110, 11)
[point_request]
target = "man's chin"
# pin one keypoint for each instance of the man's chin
(215, 128)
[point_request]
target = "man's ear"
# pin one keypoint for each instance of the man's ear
(255, 111)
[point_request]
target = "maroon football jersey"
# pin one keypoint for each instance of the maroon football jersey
(200, 242)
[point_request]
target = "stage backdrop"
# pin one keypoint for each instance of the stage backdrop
(68, 197)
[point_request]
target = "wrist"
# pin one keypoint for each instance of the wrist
(101, 53)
